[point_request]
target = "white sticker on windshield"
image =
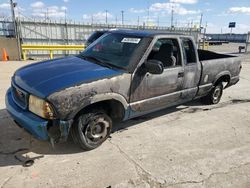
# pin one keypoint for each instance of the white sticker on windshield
(131, 40)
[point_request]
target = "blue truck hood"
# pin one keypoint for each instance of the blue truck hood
(45, 78)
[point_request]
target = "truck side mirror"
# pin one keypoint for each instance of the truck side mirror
(154, 66)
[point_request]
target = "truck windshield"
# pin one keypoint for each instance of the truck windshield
(113, 50)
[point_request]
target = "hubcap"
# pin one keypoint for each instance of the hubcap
(99, 128)
(216, 95)
(96, 130)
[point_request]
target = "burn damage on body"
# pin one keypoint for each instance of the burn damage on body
(58, 131)
(141, 91)
(132, 95)
(71, 100)
(159, 91)
(223, 67)
(152, 91)
(122, 94)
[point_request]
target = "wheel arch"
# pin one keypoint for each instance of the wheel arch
(222, 77)
(114, 104)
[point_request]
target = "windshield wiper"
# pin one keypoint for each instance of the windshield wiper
(113, 65)
(87, 57)
(101, 62)
(116, 66)
(98, 61)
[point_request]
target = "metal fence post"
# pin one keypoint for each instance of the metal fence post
(248, 42)
(49, 32)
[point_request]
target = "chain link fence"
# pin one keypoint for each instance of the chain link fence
(64, 32)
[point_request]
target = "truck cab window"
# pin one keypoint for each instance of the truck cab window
(188, 50)
(167, 51)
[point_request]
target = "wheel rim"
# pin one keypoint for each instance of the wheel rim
(96, 130)
(216, 95)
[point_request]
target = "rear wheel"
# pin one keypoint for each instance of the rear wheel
(214, 95)
(91, 129)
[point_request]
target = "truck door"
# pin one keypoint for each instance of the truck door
(155, 91)
(192, 69)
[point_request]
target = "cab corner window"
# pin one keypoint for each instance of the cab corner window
(188, 51)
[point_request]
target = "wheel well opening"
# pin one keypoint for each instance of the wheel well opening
(224, 78)
(113, 108)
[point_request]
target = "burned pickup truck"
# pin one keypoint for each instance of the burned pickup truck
(122, 75)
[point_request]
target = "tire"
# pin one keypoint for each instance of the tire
(91, 129)
(214, 95)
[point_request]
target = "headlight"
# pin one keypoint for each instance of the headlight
(40, 107)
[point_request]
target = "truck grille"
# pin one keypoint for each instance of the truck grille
(20, 97)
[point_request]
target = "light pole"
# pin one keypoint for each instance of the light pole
(158, 21)
(92, 19)
(147, 13)
(201, 21)
(204, 36)
(172, 17)
(122, 16)
(65, 15)
(13, 5)
(106, 11)
(66, 26)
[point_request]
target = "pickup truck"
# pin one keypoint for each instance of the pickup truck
(122, 75)
(94, 36)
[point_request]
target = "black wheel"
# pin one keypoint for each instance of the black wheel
(91, 129)
(214, 95)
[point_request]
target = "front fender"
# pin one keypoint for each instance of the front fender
(70, 101)
(100, 98)
(109, 96)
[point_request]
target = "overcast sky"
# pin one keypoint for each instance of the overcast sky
(216, 13)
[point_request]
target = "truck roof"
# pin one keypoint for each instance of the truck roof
(145, 33)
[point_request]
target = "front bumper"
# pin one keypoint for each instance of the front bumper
(40, 128)
(29, 121)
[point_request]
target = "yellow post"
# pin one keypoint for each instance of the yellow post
(51, 54)
(207, 44)
(50, 48)
(24, 55)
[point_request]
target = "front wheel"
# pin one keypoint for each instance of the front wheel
(91, 129)
(214, 95)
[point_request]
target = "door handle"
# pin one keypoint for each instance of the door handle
(180, 74)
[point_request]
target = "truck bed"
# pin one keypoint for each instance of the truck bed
(214, 65)
(209, 55)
